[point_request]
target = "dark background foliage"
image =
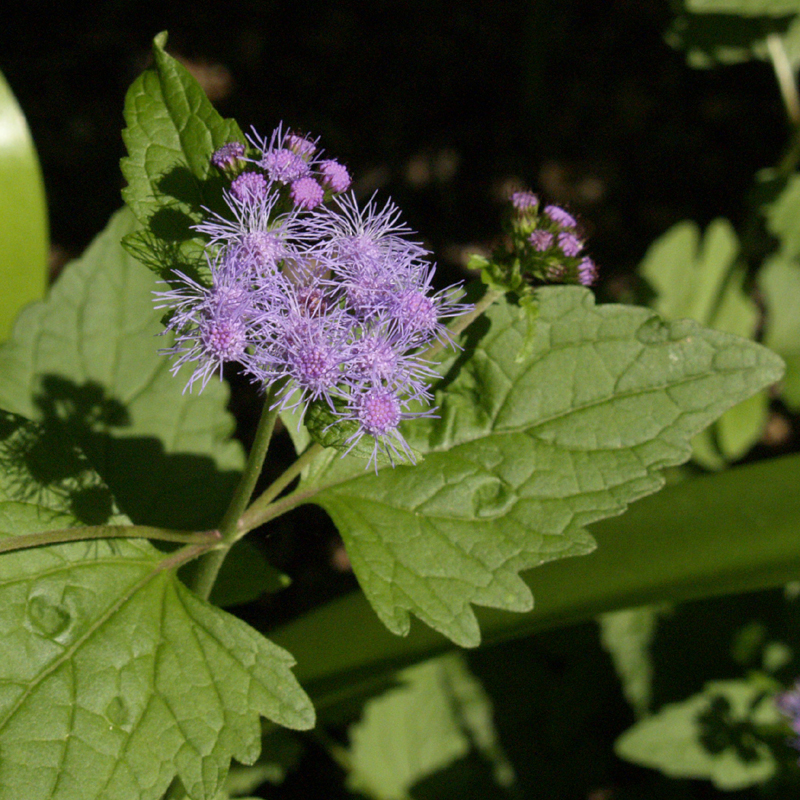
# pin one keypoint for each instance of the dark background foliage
(445, 106)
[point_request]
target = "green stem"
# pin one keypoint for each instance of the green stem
(44, 538)
(262, 508)
(209, 566)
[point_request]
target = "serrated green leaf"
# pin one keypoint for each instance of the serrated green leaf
(712, 40)
(114, 676)
(698, 278)
(434, 717)
(23, 214)
(779, 281)
(87, 359)
(524, 455)
(172, 131)
(752, 8)
(699, 538)
(702, 737)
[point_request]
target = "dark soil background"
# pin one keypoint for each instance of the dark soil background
(445, 106)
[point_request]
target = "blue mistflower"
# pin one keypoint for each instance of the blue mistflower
(331, 298)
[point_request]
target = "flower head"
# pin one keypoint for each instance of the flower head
(524, 201)
(332, 299)
(228, 156)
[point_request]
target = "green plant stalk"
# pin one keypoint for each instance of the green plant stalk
(263, 508)
(210, 564)
(45, 538)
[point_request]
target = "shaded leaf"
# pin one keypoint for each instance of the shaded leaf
(754, 8)
(114, 676)
(435, 717)
(712, 735)
(781, 217)
(86, 359)
(244, 576)
(698, 278)
(23, 214)
(779, 281)
(525, 455)
(721, 39)
(627, 636)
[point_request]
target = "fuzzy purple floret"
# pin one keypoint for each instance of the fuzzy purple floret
(561, 217)
(307, 194)
(228, 155)
(541, 240)
(570, 244)
(334, 175)
(587, 272)
(249, 187)
(524, 201)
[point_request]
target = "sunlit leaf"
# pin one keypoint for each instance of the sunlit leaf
(524, 455)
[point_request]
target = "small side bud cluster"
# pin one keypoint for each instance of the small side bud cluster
(313, 290)
(547, 242)
(789, 705)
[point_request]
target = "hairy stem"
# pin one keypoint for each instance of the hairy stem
(44, 538)
(209, 566)
(260, 511)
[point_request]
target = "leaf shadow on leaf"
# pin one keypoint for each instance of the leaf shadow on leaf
(718, 730)
(472, 338)
(36, 460)
(165, 257)
(151, 486)
(181, 184)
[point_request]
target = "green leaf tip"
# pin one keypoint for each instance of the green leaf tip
(160, 40)
(525, 455)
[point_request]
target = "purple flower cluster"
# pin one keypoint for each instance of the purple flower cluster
(789, 704)
(332, 300)
(548, 242)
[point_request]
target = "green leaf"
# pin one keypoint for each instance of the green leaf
(779, 281)
(781, 218)
(751, 8)
(699, 279)
(244, 576)
(627, 636)
(694, 539)
(712, 40)
(114, 676)
(23, 231)
(86, 359)
(524, 455)
(172, 131)
(712, 735)
(437, 714)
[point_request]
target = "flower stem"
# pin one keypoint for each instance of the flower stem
(259, 511)
(209, 565)
(44, 538)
